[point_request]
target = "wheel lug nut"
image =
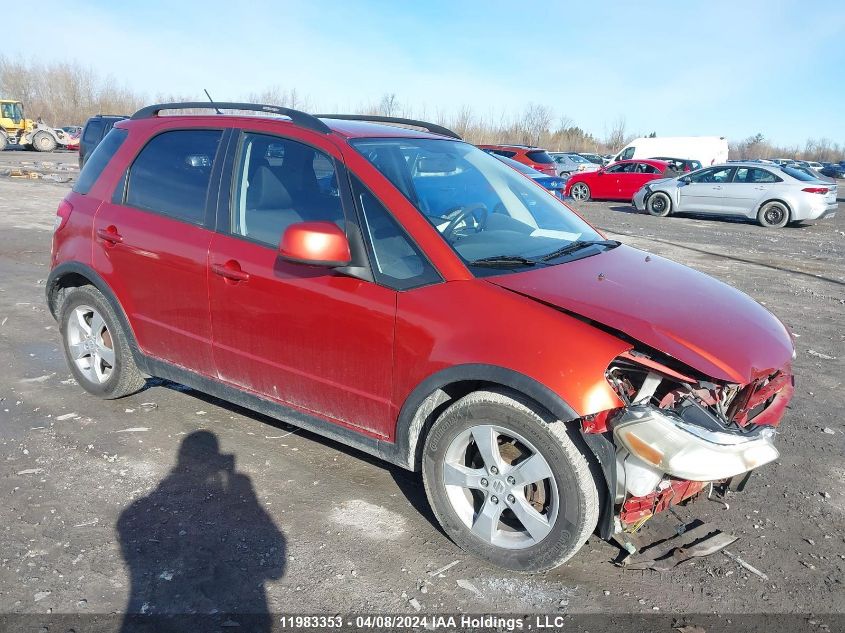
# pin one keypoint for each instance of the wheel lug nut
(511, 481)
(494, 499)
(494, 470)
(483, 482)
(511, 498)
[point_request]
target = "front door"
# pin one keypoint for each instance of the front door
(151, 246)
(305, 336)
(705, 191)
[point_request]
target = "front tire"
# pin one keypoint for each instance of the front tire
(508, 483)
(659, 204)
(580, 191)
(773, 215)
(43, 142)
(96, 347)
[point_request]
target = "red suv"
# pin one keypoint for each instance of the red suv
(535, 157)
(405, 293)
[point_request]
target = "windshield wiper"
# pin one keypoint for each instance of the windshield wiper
(578, 245)
(504, 260)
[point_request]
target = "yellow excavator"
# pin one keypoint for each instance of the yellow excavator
(29, 134)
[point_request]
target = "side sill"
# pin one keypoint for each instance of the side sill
(386, 451)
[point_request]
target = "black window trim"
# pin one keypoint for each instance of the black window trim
(369, 249)
(210, 217)
(227, 194)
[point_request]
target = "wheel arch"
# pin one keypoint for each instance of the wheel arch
(75, 274)
(432, 396)
(782, 201)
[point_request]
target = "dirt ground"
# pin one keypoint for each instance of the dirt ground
(88, 487)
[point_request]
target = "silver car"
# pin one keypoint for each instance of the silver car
(568, 163)
(770, 194)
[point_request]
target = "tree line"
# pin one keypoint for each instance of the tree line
(68, 93)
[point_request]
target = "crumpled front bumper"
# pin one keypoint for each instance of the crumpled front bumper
(639, 199)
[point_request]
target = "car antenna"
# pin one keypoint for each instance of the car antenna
(211, 100)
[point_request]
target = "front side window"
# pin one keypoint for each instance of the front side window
(172, 173)
(482, 208)
(628, 153)
(715, 175)
(6, 111)
(280, 182)
(396, 260)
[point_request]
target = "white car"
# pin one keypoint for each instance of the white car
(772, 195)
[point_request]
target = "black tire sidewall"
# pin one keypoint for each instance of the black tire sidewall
(543, 555)
(761, 215)
(666, 211)
(87, 296)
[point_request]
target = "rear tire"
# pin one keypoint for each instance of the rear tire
(96, 347)
(773, 215)
(508, 483)
(580, 191)
(43, 141)
(659, 204)
(3, 142)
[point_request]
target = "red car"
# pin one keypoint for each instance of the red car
(619, 181)
(535, 157)
(402, 292)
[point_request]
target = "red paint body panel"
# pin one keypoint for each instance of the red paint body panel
(476, 322)
(304, 335)
(636, 508)
(606, 185)
(702, 322)
(159, 273)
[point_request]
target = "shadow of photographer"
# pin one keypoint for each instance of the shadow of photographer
(200, 546)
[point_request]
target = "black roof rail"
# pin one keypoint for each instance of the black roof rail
(300, 118)
(375, 118)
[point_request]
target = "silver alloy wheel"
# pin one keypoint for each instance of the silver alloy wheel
(500, 487)
(90, 344)
(579, 191)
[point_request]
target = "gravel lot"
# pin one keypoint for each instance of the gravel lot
(84, 482)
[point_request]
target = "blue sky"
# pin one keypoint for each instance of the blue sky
(728, 68)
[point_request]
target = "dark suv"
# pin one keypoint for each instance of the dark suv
(94, 131)
(403, 292)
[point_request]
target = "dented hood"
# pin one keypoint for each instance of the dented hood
(688, 315)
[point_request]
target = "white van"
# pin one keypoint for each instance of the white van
(708, 150)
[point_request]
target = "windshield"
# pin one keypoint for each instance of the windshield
(483, 209)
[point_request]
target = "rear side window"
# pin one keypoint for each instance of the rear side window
(97, 161)
(172, 173)
(539, 156)
(501, 152)
(396, 260)
(93, 131)
(628, 153)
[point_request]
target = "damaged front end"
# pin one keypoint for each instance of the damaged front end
(679, 432)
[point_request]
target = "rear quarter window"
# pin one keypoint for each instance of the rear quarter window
(99, 158)
(539, 156)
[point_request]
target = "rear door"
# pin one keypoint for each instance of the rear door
(151, 244)
(748, 188)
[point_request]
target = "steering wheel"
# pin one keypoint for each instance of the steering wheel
(462, 214)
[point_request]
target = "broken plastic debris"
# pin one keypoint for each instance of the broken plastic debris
(31, 471)
(445, 568)
(134, 429)
(67, 416)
